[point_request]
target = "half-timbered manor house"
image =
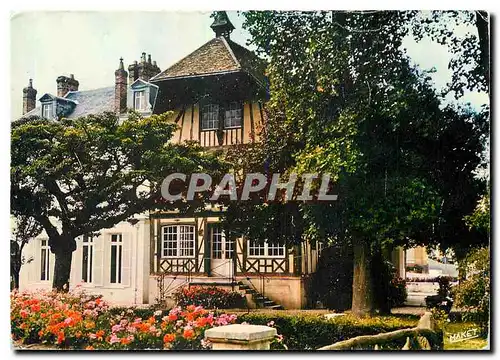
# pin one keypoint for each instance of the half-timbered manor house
(217, 94)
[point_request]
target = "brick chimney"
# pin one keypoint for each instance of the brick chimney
(120, 89)
(66, 84)
(144, 70)
(29, 97)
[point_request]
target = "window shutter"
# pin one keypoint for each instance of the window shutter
(126, 259)
(52, 263)
(76, 263)
(34, 266)
(98, 263)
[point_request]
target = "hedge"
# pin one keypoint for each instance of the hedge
(312, 331)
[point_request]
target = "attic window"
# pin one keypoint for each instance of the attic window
(140, 100)
(47, 111)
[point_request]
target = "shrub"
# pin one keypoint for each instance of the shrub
(472, 295)
(415, 268)
(310, 332)
(332, 282)
(210, 297)
(397, 292)
(441, 301)
(79, 321)
(444, 283)
(429, 279)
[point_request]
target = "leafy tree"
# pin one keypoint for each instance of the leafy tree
(78, 176)
(480, 218)
(470, 47)
(473, 293)
(25, 229)
(344, 100)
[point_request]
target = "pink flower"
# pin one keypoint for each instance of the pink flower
(270, 323)
(132, 329)
(205, 343)
(114, 339)
(175, 311)
(116, 328)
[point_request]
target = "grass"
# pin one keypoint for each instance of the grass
(478, 343)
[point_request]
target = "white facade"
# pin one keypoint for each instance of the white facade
(115, 264)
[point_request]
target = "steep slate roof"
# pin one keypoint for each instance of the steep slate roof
(88, 102)
(217, 56)
(92, 101)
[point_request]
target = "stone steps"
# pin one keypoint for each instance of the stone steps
(259, 299)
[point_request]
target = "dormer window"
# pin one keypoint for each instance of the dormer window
(141, 96)
(47, 111)
(140, 102)
(232, 116)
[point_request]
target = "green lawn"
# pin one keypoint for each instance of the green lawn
(469, 344)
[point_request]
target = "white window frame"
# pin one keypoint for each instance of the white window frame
(319, 247)
(208, 122)
(216, 232)
(266, 246)
(88, 244)
(116, 240)
(140, 97)
(233, 113)
(47, 111)
(44, 255)
(182, 244)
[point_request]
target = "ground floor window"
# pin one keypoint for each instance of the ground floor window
(178, 241)
(116, 258)
(222, 247)
(266, 249)
(45, 260)
(87, 258)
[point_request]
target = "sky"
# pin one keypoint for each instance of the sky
(45, 45)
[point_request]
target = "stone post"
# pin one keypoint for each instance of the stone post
(240, 337)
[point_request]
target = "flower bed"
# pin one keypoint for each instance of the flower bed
(210, 297)
(434, 279)
(80, 321)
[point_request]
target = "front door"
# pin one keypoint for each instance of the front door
(221, 253)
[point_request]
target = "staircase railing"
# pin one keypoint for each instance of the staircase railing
(171, 287)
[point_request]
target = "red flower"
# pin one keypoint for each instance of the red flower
(168, 338)
(60, 337)
(188, 334)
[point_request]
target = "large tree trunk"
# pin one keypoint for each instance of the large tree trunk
(483, 31)
(63, 250)
(362, 287)
(15, 277)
